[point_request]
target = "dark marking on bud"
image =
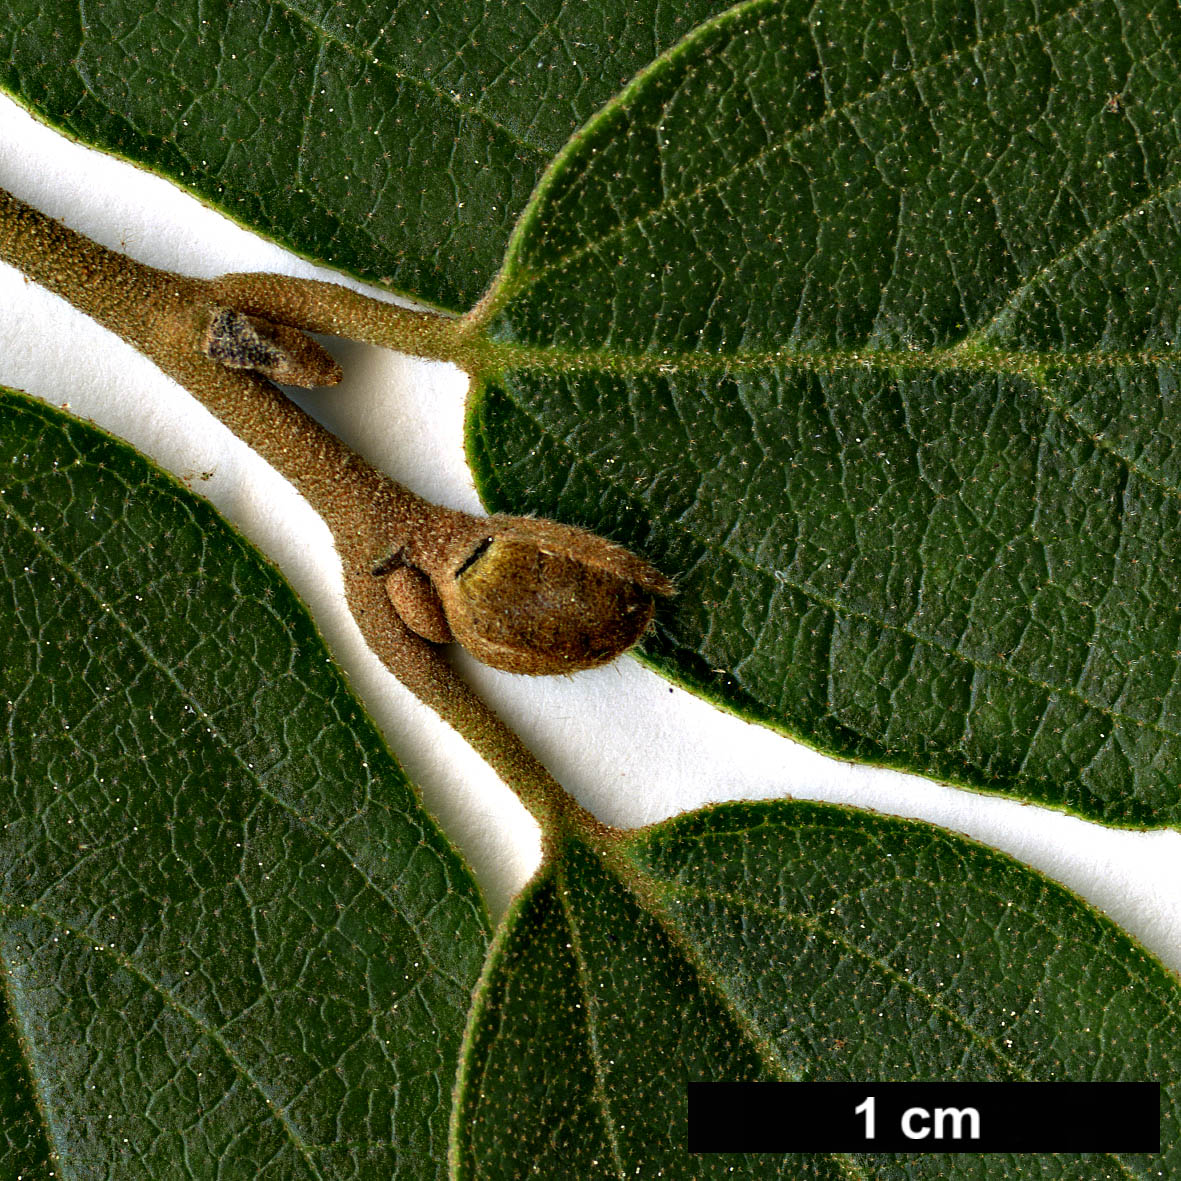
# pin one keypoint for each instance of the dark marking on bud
(474, 556)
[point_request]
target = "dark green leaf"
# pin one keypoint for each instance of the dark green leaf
(396, 141)
(865, 331)
(232, 943)
(793, 941)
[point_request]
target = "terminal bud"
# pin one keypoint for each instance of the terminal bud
(537, 597)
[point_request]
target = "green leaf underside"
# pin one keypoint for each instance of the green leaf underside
(795, 941)
(395, 141)
(865, 333)
(231, 941)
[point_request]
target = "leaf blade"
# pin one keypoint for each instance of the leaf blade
(893, 415)
(220, 894)
(395, 142)
(25, 1142)
(826, 943)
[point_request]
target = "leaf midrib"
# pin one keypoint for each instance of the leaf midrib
(965, 356)
(562, 890)
(645, 893)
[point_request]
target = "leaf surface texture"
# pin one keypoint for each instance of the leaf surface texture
(866, 335)
(795, 941)
(232, 943)
(396, 141)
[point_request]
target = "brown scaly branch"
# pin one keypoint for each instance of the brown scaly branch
(521, 594)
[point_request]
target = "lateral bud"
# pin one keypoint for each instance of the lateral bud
(537, 597)
(277, 351)
(417, 604)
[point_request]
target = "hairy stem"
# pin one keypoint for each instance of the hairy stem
(337, 311)
(168, 317)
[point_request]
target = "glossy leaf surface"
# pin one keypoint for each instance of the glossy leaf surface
(795, 941)
(232, 943)
(868, 338)
(397, 141)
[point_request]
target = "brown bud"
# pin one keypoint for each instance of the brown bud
(417, 604)
(537, 597)
(278, 351)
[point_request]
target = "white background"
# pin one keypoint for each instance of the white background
(629, 747)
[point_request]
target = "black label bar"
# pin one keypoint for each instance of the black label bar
(924, 1117)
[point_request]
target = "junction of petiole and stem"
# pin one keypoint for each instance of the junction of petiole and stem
(520, 594)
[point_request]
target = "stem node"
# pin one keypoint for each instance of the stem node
(523, 595)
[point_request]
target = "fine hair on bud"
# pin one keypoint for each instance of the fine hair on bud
(538, 597)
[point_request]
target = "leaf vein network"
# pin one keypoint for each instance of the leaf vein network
(191, 1015)
(54, 1140)
(840, 609)
(649, 895)
(423, 84)
(497, 298)
(248, 772)
(592, 1035)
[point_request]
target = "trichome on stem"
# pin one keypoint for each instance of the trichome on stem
(521, 594)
